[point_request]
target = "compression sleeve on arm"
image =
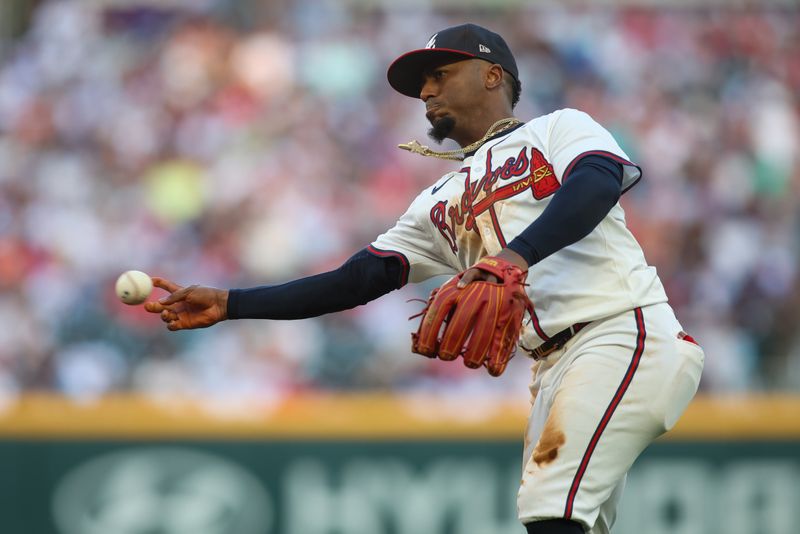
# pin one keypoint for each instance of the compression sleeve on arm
(362, 278)
(585, 198)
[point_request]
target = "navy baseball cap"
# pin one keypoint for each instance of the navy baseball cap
(466, 41)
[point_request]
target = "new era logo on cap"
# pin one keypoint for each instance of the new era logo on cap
(458, 43)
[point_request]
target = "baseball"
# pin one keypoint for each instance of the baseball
(133, 287)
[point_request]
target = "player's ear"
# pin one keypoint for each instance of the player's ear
(493, 77)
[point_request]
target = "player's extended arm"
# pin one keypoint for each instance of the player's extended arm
(364, 277)
(585, 198)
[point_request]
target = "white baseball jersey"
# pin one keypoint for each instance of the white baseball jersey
(621, 381)
(497, 193)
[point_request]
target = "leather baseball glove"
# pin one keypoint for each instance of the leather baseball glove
(482, 321)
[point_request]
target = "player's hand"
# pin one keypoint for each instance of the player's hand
(473, 274)
(189, 307)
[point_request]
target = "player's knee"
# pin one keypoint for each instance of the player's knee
(554, 526)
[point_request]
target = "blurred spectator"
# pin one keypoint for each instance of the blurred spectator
(172, 141)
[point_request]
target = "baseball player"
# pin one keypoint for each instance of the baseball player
(532, 206)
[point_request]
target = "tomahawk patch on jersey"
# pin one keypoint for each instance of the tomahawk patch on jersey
(498, 192)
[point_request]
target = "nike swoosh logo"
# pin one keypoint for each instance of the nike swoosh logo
(435, 189)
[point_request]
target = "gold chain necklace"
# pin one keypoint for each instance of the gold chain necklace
(458, 155)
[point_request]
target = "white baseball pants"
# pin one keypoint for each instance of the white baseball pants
(597, 403)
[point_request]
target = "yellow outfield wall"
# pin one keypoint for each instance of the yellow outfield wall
(357, 416)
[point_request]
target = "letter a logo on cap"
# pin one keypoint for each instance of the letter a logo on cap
(432, 42)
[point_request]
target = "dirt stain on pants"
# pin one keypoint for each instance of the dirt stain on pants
(551, 440)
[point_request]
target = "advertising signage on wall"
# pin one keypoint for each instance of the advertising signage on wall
(91, 483)
(373, 488)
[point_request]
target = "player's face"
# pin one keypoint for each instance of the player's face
(453, 94)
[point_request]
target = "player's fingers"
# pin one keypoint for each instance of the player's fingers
(153, 307)
(470, 275)
(177, 296)
(184, 322)
(165, 284)
(168, 316)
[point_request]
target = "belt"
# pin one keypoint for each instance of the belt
(555, 342)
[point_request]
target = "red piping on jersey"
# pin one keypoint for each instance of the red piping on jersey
(500, 237)
(497, 229)
(623, 387)
(537, 327)
(605, 154)
(392, 253)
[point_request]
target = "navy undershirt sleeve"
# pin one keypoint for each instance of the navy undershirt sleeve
(362, 278)
(584, 199)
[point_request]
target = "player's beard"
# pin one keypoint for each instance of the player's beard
(442, 128)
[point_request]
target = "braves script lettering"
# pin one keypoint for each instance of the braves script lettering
(540, 180)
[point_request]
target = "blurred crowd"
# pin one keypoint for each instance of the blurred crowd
(240, 149)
